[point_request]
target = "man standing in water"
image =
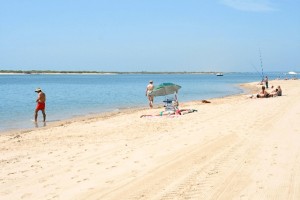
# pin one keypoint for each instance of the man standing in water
(41, 99)
(149, 89)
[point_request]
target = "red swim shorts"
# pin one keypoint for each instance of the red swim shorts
(40, 106)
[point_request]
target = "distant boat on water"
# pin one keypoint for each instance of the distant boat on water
(219, 74)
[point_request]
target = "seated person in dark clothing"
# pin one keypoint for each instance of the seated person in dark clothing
(279, 92)
(276, 92)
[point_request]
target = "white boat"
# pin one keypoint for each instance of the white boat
(219, 74)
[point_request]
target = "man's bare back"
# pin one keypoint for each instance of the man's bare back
(41, 97)
(150, 87)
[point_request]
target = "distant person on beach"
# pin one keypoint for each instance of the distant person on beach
(263, 93)
(266, 82)
(149, 89)
(41, 101)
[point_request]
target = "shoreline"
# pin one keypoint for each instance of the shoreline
(56, 123)
(35, 72)
(59, 73)
(50, 124)
(247, 88)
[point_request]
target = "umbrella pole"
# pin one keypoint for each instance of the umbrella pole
(165, 94)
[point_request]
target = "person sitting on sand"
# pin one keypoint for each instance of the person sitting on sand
(263, 93)
(279, 91)
(276, 92)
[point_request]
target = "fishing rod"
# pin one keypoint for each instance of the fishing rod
(258, 73)
(261, 65)
(253, 66)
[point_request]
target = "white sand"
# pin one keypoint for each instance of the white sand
(232, 148)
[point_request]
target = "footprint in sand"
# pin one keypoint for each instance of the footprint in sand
(52, 196)
(47, 185)
(79, 181)
(26, 195)
(109, 182)
(6, 192)
(74, 177)
(42, 180)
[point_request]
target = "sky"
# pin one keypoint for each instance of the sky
(150, 35)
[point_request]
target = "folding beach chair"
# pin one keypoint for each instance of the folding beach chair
(171, 103)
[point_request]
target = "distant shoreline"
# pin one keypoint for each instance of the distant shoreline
(28, 72)
(63, 72)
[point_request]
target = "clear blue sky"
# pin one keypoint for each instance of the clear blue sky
(150, 35)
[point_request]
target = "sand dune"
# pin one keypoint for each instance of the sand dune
(233, 148)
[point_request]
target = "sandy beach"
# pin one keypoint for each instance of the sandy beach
(235, 147)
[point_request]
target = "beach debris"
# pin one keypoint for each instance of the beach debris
(15, 137)
(172, 113)
(205, 101)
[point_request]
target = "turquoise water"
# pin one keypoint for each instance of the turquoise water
(75, 95)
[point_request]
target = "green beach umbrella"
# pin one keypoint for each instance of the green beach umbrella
(165, 89)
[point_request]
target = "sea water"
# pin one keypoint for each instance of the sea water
(77, 95)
